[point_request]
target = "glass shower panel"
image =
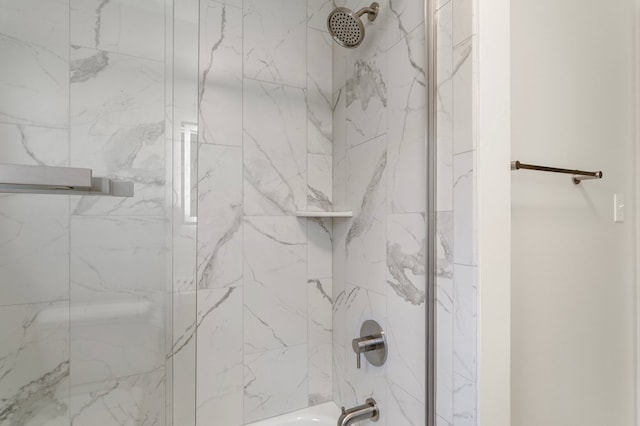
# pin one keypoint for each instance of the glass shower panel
(84, 280)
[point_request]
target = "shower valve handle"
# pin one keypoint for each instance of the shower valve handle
(372, 343)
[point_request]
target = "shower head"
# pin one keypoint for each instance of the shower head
(345, 25)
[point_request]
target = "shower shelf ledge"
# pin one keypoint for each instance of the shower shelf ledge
(344, 213)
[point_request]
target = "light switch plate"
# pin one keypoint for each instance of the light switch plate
(618, 208)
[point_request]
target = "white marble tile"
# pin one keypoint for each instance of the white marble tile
(130, 27)
(406, 242)
(34, 364)
(220, 366)
(440, 421)
(444, 315)
(275, 154)
(462, 20)
(463, 133)
(444, 54)
(319, 182)
(34, 145)
(339, 73)
(441, 3)
(368, 381)
(34, 246)
(339, 180)
(275, 382)
(133, 400)
(184, 252)
(444, 148)
(117, 126)
(275, 298)
(236, 3)
(339, 282)
(183, 75)
(444, 130)
(366, 95)
(366, 193)
(183, 357)
(406, 236)
(406, 121)
(319, 92)
(34, 78)
(404, 16)
(339, 157)
(275, 43)
(319, 255)
(465, 321)
(220, 74)
(219, 216)
(403, 409)
(317, 13)
(464, 209)
(464, 400)
(339, 375)
(116, 257)
(320, 302)
(320, 374)
(117, 286)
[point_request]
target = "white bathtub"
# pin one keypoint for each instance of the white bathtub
(321, 415)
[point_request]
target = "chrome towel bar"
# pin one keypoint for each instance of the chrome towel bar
(578, 175)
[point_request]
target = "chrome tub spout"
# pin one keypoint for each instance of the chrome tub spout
(368, 410)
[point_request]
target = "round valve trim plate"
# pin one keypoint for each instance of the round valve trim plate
(376, 357)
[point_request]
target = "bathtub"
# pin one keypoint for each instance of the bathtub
(321, 415)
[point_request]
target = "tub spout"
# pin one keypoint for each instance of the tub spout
(368, 410)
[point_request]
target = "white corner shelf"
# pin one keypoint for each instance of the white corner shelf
(346, 213)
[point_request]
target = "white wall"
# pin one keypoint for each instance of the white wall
(492, 75)
(573, 284)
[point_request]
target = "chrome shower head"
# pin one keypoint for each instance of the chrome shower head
(345, 25)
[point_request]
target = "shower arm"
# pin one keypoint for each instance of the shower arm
(372, 11)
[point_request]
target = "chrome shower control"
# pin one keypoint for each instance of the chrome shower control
(372, 343)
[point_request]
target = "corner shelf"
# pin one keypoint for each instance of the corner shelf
(346, 213)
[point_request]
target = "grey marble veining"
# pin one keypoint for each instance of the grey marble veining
(34, 364)
(275, 295)
(219, 216)
(365, 84)
(219, 380)
(220, 82)
(274, 35)
(119, 26)
(34, 89)
(405, 259)
(117, 111)
(86, 68)
(274, 159)
(319, 92)
(37, 399)
(362, 220)
(131, 400)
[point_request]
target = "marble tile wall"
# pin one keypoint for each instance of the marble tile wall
(456, 258)
(263, 305)
(83, 278)
(259, 298)
(379, 172)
